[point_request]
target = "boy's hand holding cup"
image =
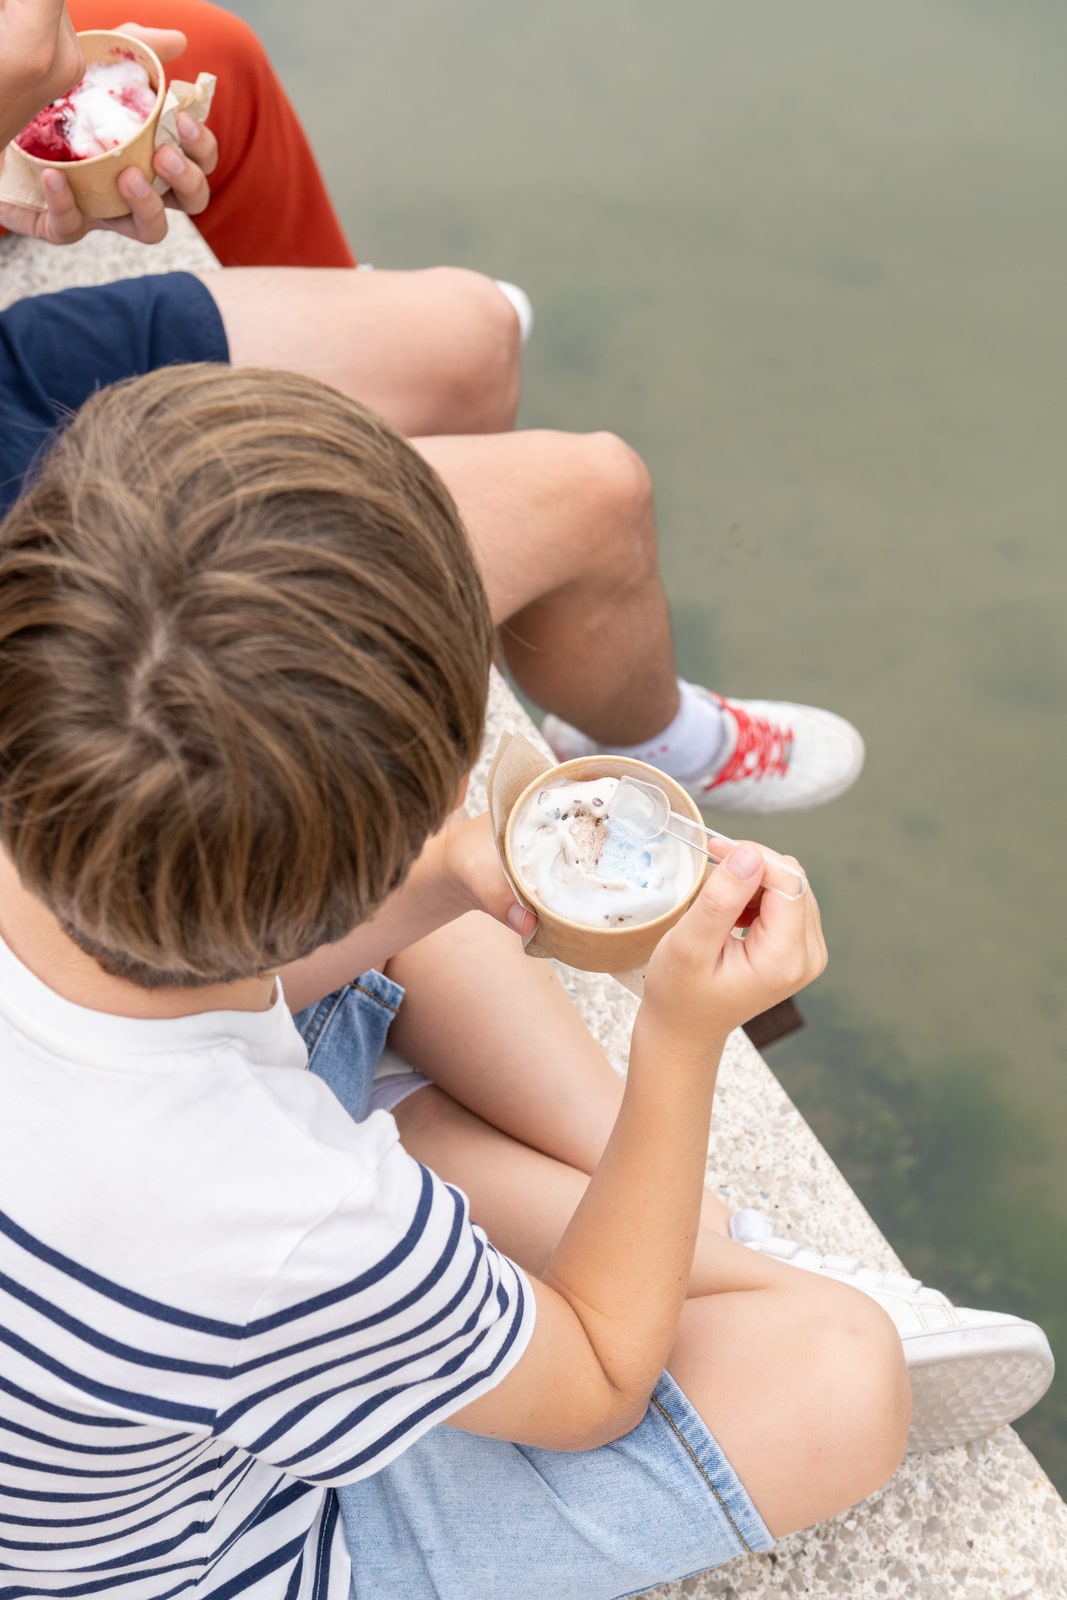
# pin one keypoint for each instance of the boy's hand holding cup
(703, 980)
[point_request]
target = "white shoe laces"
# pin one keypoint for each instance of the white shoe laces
(751, 1227)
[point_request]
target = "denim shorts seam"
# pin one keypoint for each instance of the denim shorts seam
(354, 983)
(317, 1026)
(691, 1453)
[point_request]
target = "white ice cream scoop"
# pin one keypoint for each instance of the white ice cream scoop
(645, 810)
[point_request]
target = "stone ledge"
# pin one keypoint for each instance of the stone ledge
(976, 1523)
(981, 1522)
(27, 267)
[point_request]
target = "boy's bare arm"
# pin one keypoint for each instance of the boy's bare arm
(609, 1303)
(458, 871)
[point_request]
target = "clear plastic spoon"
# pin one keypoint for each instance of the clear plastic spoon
(645, 810)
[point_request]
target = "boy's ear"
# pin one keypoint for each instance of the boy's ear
(461, 792)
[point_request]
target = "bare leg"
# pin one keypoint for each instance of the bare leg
(436, 351)
(532, 1068)
(562, 524)
(563, 528)
(800, 1379)
(789, 1370)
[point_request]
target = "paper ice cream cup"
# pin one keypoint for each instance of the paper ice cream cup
(93, 181)
(592, 949)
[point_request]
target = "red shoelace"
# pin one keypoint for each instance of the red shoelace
(762, 750)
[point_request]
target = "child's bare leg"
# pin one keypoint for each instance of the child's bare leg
(495, 1029)
(799, 1378)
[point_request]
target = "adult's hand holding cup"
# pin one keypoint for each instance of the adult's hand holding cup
(103, 126)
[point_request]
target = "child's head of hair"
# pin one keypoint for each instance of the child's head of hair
(244, 656)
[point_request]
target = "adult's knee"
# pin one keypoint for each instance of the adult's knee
(611, 487)
(479, 357)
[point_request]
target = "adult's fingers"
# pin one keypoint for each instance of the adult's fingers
(189, 188)
(147, 221)
(168, 43)
(198, 142)
(65, 221)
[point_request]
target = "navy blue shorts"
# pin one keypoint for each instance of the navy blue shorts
(56, 349)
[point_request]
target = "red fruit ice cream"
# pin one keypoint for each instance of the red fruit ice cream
(105, 109)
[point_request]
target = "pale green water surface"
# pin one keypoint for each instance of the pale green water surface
(811, 260)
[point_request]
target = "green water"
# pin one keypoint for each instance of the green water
(811, 260)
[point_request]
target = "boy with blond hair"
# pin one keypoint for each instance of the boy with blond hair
(243, 662)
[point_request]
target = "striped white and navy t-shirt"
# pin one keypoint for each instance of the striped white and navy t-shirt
(218, 1296)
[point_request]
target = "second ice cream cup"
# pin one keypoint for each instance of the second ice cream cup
(593, 949)
(93, 180)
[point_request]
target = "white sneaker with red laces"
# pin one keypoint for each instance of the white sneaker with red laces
(779, 757)
(971, 1371)
(775, 756)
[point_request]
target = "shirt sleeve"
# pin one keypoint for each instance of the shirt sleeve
(389, 1315)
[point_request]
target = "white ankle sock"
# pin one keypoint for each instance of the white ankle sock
(521, 304)
(688, 745)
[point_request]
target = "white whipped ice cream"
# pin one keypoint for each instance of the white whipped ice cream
(582, 865)
(112, 101)
(104, 109)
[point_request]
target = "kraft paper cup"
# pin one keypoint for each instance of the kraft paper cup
(576, 944)
(93, 181)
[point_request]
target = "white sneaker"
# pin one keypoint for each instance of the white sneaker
(778, 756)
(782, 757)
(971, 1371)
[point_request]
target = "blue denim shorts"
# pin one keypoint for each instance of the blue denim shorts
(57, 349)
(459, 1517)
